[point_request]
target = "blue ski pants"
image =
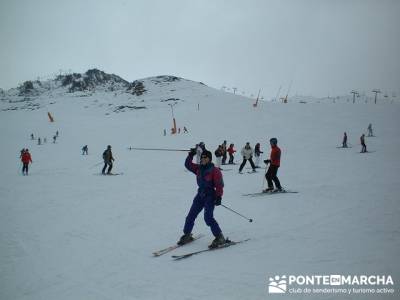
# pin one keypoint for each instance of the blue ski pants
(200, 202)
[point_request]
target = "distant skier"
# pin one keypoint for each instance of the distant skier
(274, 162)
(363, 146)
(108, 160)
(344, 142)
(370, 132)
(247, 153)
(224, 156)
(209, 195)
(26, 159)
(257, 154)
(165, 132)
(185, 130)
(39, 141)
(57, 133)
(218, 154)
(85, 150)
(231, 151)
(54, 139)
(32, 137)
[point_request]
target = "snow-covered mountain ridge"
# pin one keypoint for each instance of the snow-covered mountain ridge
(94, 84)
(123, 95)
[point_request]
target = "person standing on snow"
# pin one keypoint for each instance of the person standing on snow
(247, 153)
(257, 154)
(363, 146)
(344, 143)
(231, 151)
(85, 150)
(209, 195)
(274, 162)
(370, 132)
(224, 156)
(26, 159)
(219, 156)
(108, 160)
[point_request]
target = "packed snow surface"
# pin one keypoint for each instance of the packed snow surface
(67, 232)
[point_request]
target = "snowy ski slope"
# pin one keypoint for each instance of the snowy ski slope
(68, 233)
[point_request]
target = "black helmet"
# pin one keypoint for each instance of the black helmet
(273, 141)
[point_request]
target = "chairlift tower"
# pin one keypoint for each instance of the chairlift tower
(355, 93)
(376, 93)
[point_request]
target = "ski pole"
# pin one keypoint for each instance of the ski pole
(250, 220)
(157, 149)
(265, 173)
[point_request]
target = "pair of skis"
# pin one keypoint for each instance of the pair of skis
(171, 248)
(186, 255)
(273, 192)
(110, 174)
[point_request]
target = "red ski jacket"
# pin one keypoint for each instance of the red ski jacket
(231, 150)
(26, 158)
(209, 178)
(275, 156)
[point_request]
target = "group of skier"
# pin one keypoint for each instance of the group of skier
(41, 141)
(210, 179)
(362, 139)
(222, 153)
(174, 131)
(211, 185)
(25, 155)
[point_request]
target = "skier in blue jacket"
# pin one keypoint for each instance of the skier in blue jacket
(209, 194)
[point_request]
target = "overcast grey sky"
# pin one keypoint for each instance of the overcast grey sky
(323, 47)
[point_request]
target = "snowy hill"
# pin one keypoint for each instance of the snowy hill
(95, 88)
(68, 233)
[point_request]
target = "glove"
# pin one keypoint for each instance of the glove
(217, 200)
(192, 152)
(267, 161)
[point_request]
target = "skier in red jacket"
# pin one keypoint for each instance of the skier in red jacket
(26, 159)
(231, 151)
(274, 163)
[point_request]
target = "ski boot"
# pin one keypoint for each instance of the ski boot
(268, 190)
(218, 241)
(278, 190)
(186, 238)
